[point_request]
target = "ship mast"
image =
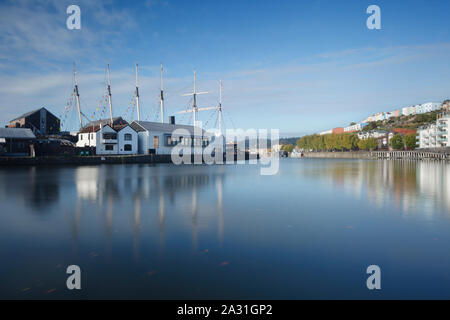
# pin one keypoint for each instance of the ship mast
(109, 95)
(194, 94)
(162, 95)
(77, 95)
(137, 95)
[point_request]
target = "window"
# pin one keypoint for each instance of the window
(128, 137)
(109, 147)
(127, 147)
(81, 137)
(92, 136)
(156, 142)
(110, 136)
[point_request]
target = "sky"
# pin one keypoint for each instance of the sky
(297, 66)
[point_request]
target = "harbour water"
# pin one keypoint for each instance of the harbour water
(206, 232)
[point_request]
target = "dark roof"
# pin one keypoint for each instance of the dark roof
(140, 126)
(103, 122)
(96, 127)
(16, 133)
(31, 112)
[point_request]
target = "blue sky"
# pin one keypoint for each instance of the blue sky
(300, 66)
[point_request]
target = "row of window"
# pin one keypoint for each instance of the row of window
(109, 136)
(186, 141)
(110, 147)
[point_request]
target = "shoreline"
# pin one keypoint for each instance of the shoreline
(382, 155)
(97, 160)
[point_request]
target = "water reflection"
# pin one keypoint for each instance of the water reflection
(146, 190)
(412, 186)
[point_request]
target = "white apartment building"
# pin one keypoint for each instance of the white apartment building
(427, 136)
(436, 134)
(427, 107)
(406, 111)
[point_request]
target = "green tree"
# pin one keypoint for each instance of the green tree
(368, 144)
(372, 143)
(397, 142)
(288, 147)
(410, 141)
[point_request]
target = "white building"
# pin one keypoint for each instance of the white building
(427, 107)
(356, 127)
(427, 136)
(160, 138)
(406, 111)
(109, 141)
(436, 134)
(371, 134)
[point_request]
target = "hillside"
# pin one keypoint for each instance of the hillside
(407, 122)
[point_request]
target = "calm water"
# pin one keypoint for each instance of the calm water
(146, 231)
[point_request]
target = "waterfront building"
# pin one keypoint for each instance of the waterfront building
(16, 142)
(107, 140)
(427, 136)
(159, 138)
(435, 135)
(41, 121)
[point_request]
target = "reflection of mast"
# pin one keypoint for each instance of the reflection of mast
(194, 218)
(161, 218)
(109, 222)
(137, 226)
(76, 229)
(161, 210)
(219, 210)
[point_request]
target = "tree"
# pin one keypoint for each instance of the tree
(368, 144)
(397, 142)
(371, 126)
(372, 143)
(288, 147)
(410, 141)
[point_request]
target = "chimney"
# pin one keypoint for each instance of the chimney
(172, 119)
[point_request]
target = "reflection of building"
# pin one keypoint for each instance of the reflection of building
(40, 121)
